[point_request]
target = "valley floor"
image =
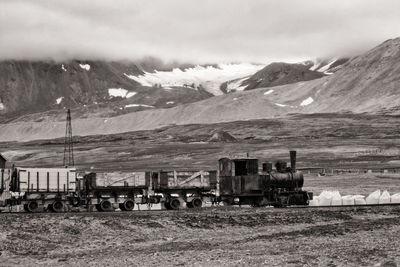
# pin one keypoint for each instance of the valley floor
(322, 140)
(221, 235)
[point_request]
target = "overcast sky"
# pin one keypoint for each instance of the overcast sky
(202, 31)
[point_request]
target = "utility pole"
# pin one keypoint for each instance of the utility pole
(68, 144)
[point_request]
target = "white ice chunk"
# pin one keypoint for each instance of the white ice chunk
(395, 198)
(348, 200)
(373, 198)
(336, 199)
(384, 198)
(359, 200)
(63, 67)
(314, 201)
(170, 102)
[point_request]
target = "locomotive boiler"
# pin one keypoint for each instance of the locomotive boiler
(241, 183)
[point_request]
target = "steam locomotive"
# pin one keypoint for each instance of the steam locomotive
(241, 183)
(236, 182)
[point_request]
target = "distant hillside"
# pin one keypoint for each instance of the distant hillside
(280, 73)
(27, 87)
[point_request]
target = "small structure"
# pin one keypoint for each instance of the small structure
(222, 136)
(3, 161)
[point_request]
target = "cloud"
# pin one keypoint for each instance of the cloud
(196, 31)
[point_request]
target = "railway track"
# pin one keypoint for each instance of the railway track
(203, 209)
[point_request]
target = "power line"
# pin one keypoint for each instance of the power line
(68, 143)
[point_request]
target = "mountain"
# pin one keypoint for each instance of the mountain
(280, 73)
(327, 65)
(27, 87)
(367, 83)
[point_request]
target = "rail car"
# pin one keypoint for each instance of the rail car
(236, 182)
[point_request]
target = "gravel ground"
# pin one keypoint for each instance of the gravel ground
(210, 236)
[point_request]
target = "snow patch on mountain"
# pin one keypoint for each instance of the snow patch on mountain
(307, 101)
(280, 105)
(117, 92)
(268, 92)
(138, 105)
(120, 92)
(208, 77)
(236, 85)
(325, 68)
(85, 66)
(58, 100)
(130, 94)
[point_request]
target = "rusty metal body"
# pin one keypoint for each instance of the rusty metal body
(241, 183)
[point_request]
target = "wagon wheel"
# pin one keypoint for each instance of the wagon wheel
(128, 205)
(197, 203)
(106, 205)
(57, 206)
(32, 206)
(175, 204)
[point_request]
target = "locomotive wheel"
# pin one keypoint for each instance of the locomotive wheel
(75, 201)
(175, 204)
(32, 206)
(57, 206)
(167, 205)
(106, 205)
(26, 207)
(128, 205)
(98, 208)
(197, 203)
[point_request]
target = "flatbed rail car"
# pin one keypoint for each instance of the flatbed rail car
(190, 187)
(123, 190)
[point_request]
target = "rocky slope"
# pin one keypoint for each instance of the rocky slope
(28, 87)
(368, 83)
(280, 73)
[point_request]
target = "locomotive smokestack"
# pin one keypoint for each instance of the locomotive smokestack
(293, 160)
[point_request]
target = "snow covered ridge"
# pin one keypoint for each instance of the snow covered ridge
(120, 92)
(208, 77)
(85, 66)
